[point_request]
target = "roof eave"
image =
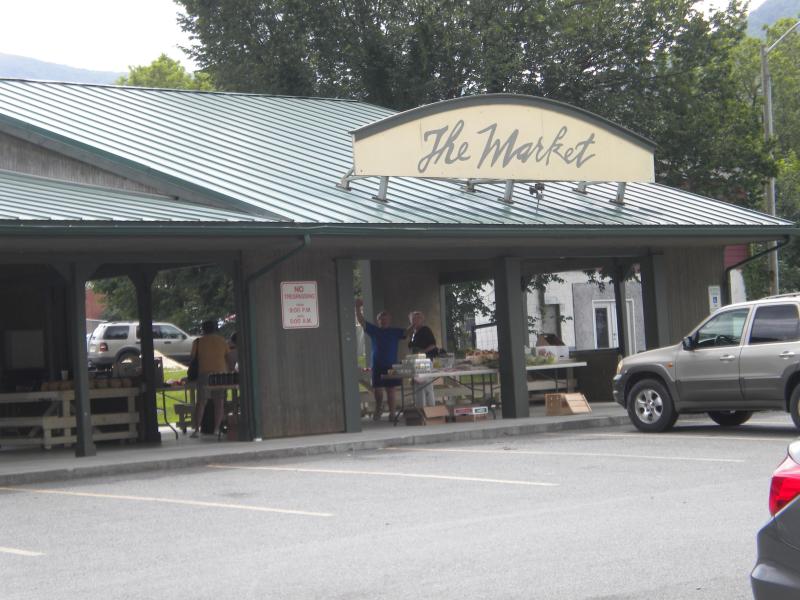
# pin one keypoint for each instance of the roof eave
(135, 171)
(277, 229)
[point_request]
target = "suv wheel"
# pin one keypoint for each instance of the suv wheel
(129, 361)
(730, 418)
(794, 406)
(650, 406)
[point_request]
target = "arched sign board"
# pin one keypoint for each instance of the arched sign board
(503, 137)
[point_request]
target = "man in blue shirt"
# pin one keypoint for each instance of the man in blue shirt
(385, 339)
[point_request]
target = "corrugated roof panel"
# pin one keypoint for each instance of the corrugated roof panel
(285, 155)
(28, 198)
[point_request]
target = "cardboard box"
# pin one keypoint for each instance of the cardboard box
(566, 404)
(435, 415)
(470, 414)
(430, 415)
(472, 409)
(470, 418)
(413, 416)
(560, 352)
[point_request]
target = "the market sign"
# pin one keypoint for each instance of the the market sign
(503, 137)
(299, 304)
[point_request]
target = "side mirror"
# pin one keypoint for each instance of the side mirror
(688, 343)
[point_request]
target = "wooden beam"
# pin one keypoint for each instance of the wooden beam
(78, 358)
(511, 338)
(620, 303)
(649, 303)
(243, 348)
(143, 281)
(347, 345)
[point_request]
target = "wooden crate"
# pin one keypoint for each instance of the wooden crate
(566, 404)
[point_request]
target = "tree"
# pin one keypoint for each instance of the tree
(657, 66)
(165, 72)
(181, 296)
(783, 62)
(462, 302)
(185, 297)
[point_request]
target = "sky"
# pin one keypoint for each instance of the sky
(102, 35)
(107, 35)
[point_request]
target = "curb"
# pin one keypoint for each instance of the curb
(145, 466)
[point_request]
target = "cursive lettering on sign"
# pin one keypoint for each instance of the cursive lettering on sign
(447, 148)
(444, 149)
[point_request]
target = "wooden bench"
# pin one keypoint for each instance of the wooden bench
(58, 425)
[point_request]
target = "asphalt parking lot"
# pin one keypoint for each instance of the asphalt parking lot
(601, 513)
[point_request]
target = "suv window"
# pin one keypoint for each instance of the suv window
(116, 332)
(156, 332)
(724, 329)
(171, 333)
(775, 324)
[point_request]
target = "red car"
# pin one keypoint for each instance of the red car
(776, 575)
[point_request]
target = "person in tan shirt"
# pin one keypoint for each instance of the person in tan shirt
(211, 350)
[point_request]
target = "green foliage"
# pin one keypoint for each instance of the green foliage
(783, 61)
(185, 297)
(165, 72)
(462, 302)
(659, 67)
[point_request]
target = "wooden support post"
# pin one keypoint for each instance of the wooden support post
(650, 303)
(347, 345)
(78, 359)
(365, 268)
(511, 336)
(621, 307)
(243, 347)
(143, 281)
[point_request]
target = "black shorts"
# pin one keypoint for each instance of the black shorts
(378, 381)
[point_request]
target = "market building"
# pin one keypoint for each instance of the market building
(289, 194)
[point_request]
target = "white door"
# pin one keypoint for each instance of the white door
(605, 324)
(606, 332)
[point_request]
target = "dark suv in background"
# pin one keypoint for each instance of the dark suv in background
(743, 358)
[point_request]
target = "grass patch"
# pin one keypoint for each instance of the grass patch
(174, 396)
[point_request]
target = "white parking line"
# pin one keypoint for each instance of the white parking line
(170, 501)
(389, 474)
(581, 454)
(19, 552)
(667, 436)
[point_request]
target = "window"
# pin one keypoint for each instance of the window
(156, 332)
(601, 327)
(724, 329)
(775, 324)
(116, 332)
(169, 332)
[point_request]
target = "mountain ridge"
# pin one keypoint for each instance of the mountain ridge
(13, 66)
(769, 12)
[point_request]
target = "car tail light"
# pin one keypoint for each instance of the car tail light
(103, 347)
(785, 485)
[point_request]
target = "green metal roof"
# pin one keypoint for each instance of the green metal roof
(24, 198)
(281, 157)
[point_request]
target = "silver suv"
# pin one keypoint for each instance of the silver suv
(743, 358)
(119, 341)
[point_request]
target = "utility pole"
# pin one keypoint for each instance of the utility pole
(766, 87)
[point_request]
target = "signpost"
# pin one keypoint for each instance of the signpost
(299, 304)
